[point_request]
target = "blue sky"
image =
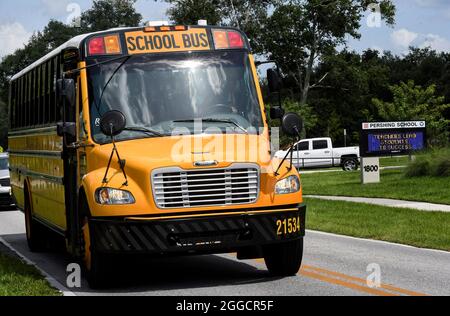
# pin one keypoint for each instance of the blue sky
(419, 23)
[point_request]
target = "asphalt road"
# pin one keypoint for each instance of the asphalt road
(333, 265)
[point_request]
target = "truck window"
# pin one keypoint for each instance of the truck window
(303, 146)
(320, 144)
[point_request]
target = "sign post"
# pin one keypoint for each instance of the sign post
(380, 139)
(370, 170)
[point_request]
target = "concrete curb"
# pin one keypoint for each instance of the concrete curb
(378, 241)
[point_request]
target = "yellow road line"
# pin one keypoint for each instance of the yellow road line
(349, 285)
(351, 282)
(362, 281)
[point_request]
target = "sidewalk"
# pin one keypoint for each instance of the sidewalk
(421, 206)
(310, 171)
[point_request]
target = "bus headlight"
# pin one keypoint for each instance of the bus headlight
(108, 196)
(289, 185)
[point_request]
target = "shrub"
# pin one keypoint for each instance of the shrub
(434, 163)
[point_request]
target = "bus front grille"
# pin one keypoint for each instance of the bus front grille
(178, 188)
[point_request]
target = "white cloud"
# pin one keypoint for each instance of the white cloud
(436, 42)
(12, 37)
(403, 38)
(55, 7)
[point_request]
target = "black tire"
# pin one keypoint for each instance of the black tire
(37, 234)
(284, 260)
(97, 275)
(96, 266)
(350, 164)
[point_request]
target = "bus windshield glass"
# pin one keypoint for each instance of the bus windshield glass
(163, 93)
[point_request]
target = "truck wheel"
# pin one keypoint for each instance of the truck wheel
(284, 259)
(36, 232)
(350, 164)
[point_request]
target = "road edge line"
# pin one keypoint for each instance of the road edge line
(377, 241)
(51, 280)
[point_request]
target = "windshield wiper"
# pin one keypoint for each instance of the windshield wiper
(126, 59)
(212, 120)
(144, 130)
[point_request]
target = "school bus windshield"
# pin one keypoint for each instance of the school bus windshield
(171, 91)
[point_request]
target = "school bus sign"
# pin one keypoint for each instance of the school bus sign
(141, 42)
(392, 138)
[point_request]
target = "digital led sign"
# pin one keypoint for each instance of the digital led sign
(392, 138)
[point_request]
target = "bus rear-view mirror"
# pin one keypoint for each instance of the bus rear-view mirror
(113, 123)
(292, 124)
(276, 112)
(273, 80)
(65, 90)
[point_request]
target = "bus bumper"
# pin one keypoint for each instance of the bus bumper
(199, 235)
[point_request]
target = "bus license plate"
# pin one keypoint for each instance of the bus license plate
(288, 226)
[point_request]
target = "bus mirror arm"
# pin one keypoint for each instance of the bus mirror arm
(112, 124)
(292, 125)
(274, 84)
(122, 164)
(65, 90)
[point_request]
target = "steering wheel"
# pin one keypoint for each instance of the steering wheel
(219, 108)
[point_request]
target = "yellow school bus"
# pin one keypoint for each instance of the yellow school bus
(153, 140)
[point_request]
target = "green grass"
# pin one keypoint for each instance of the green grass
(20, 279)
(393, 185)
(394, 161)
(405, 226)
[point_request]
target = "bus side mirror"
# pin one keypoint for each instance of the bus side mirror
(273, 81)
(65, 91)
(276, 112)
(292, 125)
(113, 123)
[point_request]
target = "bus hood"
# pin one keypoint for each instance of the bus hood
(187, 152)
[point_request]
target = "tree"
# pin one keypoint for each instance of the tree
(40, 43)
(353, 80)
(306, 112)
(188, 12)
(248, 15)
(424, 66)
(411, 102)
(106, 14)
(300, 32)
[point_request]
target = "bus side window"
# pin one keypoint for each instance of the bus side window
(34, 110)
(27, 100)
(57, 108)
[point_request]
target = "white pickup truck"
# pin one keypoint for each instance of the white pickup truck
(319, 153)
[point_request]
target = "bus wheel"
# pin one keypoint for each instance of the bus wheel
(36, 232)
(284, 259)
(94, 263)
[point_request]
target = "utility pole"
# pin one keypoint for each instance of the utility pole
(345, 137)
